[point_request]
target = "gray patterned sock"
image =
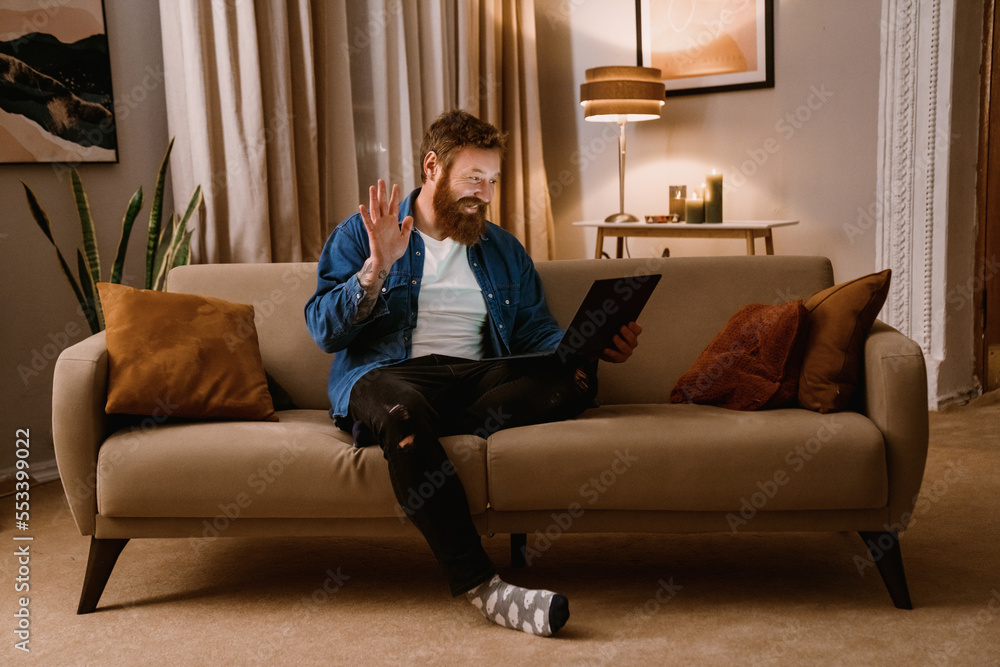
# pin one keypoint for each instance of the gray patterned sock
(536, 611)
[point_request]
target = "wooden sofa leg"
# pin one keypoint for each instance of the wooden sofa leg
(103, 556)
(884, 550)
(518, 549)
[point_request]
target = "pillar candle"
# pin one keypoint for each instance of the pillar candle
(713, 197)
(678, 193)
(694, 209)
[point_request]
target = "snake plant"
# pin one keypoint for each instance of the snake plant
(168, 245)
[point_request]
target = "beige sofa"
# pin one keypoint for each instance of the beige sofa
(638, 463)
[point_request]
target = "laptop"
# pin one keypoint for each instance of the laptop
(610, 304)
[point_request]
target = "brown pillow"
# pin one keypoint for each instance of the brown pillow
(181, 355)
(753, 363)
(840, 318)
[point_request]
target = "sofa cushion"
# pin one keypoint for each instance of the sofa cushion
(299, 467)
(690, 458)
(179, 355)
(840, 318)
(752, 363)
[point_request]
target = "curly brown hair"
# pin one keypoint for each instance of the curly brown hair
(454, 130)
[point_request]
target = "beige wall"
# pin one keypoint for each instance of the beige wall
(40, 312)
(804, 150)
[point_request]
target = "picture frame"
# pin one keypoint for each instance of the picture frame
(56, 96)
(708, 46)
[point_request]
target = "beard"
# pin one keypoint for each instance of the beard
(462, 227)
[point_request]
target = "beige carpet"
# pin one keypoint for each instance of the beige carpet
(635, 599)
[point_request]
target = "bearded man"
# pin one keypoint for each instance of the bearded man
(422, 300)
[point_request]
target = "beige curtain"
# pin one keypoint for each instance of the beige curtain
(285, 111)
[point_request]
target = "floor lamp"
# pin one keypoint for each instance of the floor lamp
(621, 94)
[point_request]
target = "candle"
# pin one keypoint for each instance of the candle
(678, 193)
(713, 197)
(694, 209)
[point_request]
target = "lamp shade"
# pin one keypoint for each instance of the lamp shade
(611, 93)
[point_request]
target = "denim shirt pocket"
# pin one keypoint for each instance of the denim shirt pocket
(508, 300)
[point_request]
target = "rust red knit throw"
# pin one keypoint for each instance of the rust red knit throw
(753, 363)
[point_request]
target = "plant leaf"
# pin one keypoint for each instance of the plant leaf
(164, 257)
(42, 219)
(196, 199)
(87, 226)
(155, 215)
(40, 216)
(183, 256)
(131, 213)
(166, 234)
(179, 237)
(92, 309)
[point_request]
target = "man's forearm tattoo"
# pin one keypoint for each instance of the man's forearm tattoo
(370, 285)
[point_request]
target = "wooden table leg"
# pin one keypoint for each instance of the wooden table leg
(750, 248)
(769, 243)
(620, 247)
(600, 243)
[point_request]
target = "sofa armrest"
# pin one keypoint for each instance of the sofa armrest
(79, 423)
(895, 399)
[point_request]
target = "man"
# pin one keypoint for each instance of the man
(418, 300)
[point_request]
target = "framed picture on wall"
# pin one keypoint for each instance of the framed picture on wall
(708, 46)
(56, 103)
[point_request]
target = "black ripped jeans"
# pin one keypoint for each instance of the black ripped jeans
(405, 408)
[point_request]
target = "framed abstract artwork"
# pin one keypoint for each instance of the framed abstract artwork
(56, 102)
(708, 46)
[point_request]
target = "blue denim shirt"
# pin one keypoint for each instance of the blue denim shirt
(518, 319)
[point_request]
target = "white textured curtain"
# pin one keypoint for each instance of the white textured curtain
(285, 111)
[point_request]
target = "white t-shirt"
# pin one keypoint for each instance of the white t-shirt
(451, 312)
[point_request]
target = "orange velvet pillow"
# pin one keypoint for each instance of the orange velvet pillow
(840, 318)
(181, 355)
(753, 363)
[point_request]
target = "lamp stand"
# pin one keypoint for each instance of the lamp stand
(621, 215)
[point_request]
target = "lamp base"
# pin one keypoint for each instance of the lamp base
(621, 217)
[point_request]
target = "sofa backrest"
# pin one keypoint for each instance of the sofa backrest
(692, 302)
